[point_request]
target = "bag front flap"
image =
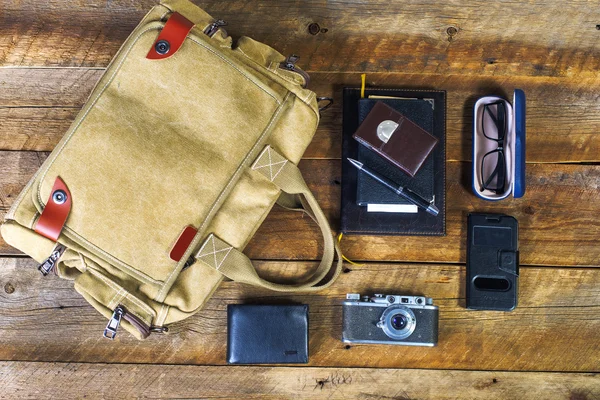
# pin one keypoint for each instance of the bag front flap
(157, 148)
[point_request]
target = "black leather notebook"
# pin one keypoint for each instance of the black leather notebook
(354, 218)
(267, 334)
(368, 190)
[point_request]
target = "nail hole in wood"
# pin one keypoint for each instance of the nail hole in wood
(9, 288)
(451, 32)
(314, 28)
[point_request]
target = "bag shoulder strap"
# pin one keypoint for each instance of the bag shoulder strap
(296, 195)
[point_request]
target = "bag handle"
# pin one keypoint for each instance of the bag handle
(296, 195)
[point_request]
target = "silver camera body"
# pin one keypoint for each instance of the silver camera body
(390, 319)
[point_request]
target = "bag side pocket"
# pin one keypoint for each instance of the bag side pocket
(107, 296)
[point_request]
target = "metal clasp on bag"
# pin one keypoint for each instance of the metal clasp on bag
(289, 64)
(49, 264)
(110, 332)
(329, 101)
(214, 27)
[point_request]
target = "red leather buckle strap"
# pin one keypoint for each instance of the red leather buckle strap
(56, 211)
(171, 37)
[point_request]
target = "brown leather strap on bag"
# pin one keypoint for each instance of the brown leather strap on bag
(296, 196)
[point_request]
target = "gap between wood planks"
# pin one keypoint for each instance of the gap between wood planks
(557, 311)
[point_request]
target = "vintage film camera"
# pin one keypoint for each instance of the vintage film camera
(391, 319)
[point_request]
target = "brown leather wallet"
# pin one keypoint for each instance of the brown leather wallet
(396, 138)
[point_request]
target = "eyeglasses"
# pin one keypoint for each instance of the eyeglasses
(493, 164)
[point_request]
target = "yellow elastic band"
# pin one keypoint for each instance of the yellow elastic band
(343, 256)
(363, 78)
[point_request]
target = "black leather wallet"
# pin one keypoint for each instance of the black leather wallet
(267, 334)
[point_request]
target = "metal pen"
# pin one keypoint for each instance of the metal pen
(399, 190)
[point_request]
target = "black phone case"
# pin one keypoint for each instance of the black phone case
(492, 262)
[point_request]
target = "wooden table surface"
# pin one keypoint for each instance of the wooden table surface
(51, 346)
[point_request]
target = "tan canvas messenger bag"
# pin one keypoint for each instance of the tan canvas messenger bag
(183, 147)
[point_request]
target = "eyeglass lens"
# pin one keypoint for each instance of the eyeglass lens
(493, 169)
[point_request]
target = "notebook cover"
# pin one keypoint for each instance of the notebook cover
(354, 218)
(407, 146)
(267, 334)
(368, 190)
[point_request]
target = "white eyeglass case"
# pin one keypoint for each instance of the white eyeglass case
(514, 147)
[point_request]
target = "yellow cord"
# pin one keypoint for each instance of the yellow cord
(363, 78)
(343, 256)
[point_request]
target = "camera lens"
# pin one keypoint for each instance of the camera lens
(399, 322)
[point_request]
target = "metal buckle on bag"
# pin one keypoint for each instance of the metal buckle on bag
(329, 101)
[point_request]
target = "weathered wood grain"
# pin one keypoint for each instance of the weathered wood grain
(554, 328)
(118, 381)
(558, 222)
(16, 168)
(548, 38)
(34, 128)
(37, 106)
(548, 48)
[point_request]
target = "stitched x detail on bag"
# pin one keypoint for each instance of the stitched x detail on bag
(269, 163)
(214, 251)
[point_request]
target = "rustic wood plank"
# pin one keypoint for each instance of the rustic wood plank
(563, 115)
(34, 128)
(37, 106)
(548, 48)
(16, 168)
(554, 328)
(117, 381)
(549, 38)
(553, 231)
(46, 87)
